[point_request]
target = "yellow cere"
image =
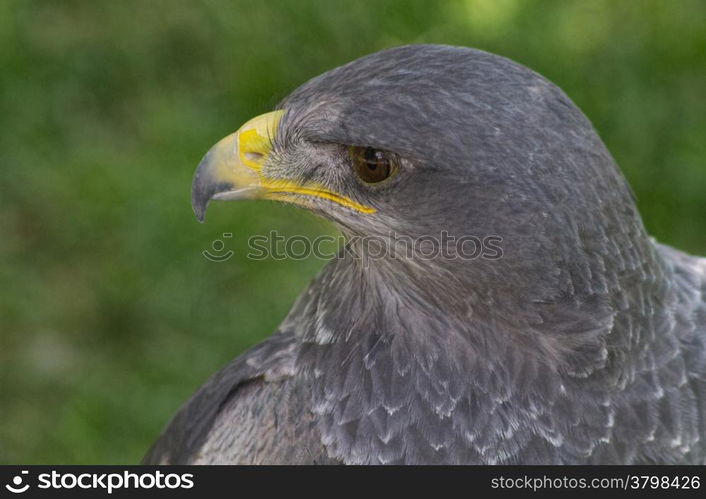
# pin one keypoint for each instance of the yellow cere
(255, 139)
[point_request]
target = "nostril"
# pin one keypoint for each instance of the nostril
(254, 156)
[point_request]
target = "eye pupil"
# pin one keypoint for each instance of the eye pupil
(370, 164)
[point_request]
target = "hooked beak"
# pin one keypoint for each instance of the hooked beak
(232, 170)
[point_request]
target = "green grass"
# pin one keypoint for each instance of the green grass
(109, 315)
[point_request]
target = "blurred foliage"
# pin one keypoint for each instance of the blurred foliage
(110, 317)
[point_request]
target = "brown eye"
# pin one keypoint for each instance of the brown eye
(371, 165)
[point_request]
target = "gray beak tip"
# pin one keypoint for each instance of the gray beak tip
(202, 188)
(199, 203)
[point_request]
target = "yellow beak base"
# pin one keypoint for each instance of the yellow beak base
(233, 169)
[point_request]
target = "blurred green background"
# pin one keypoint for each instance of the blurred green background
(110, 317)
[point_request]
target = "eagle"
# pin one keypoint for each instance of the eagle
(563, 334)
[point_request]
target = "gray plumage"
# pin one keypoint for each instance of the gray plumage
(584, 343)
